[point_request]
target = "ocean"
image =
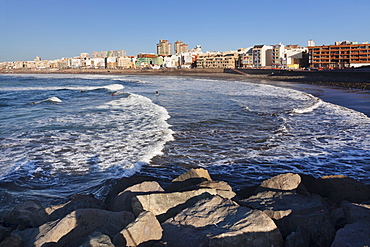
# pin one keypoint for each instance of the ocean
(66, 134)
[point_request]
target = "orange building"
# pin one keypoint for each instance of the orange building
(339, 56)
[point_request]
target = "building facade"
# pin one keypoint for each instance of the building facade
(339, 56)
(164, 48)
(226, 60)
(180, 47)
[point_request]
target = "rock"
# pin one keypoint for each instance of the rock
(189, 178)
(290, 210)
(12, 241)
(355, 211)
(165, 205)
(298, 238)
(117, 186)
(338, 188)
(220, 222)
(97, 239)
(338, 218)
(27, 214)
(193, 173)
(222, 188)
(4, 232)
(77, 202)
(355, 234)
(145, 228)
(122, 202)
(73, 229)
(287, 181)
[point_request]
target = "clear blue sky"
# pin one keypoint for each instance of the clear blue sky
(54, 29)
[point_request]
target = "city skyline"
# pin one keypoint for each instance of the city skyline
(65, 29)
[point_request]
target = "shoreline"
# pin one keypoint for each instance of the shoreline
(350, 89)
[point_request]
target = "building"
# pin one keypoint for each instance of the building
(262, 56)
(278, 56)
(145, 60)
(225, 60)
(311, 43)
(339, 56)
(125, 63)
(117, 53)
(164, 48)
(180, 47)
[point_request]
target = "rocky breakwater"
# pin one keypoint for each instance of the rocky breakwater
(194, 210)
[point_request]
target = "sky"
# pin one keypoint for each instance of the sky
(52, 29)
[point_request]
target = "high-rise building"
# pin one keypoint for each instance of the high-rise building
(164, 48)
(180, 47)
(311, 43)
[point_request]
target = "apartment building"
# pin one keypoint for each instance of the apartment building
(278, 56)
(339, 56)
(104, 54)
(180, 47)
(164, 48)
(226, 60)
(144, 60)
(262, 56)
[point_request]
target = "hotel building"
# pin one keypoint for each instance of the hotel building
(339, 56)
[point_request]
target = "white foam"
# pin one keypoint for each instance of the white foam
(54, 99)
(110, 87)
(308, 109)
(116, 138)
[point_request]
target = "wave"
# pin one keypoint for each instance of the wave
(50, 99)
(308, 109)
(110, 87)
(317, 103)
(113, 139)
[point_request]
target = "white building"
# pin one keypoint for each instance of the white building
(262, 56)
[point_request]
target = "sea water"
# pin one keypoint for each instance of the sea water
(66, 134)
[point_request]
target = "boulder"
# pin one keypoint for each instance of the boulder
(217, 221)
(338, 188)
(355, 211)
(165, 205)
(118, 185)
(193, 173)
(144, 229)
(74, 228)
(222, 188)
(190, 178)
(4, 232)
(290, 210)
(338, 218)
(77, 202)
(97, 239)
(27, 214)
(12, 241)
(298, 238)
(122, 202)
(287, 181)
(355, 234)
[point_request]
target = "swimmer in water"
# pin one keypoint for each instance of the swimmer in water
(156, 93)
